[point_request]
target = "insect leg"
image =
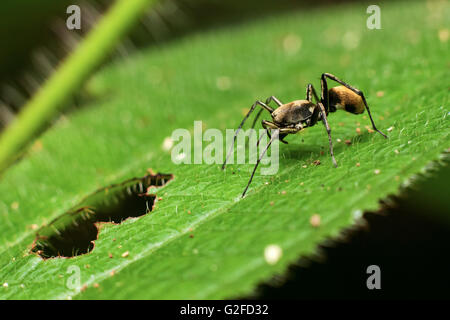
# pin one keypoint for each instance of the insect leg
(260, 138)
(327, 126)
(324, 96)
(357, 91)
(268, 100)
(262, 104)
(257, 117)
(274, 136)
(283, 131)
(310, 90)
(267, 124)
(273, 98)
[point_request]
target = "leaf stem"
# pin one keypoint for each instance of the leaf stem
(68, 77)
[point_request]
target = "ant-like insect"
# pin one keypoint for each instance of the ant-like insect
(292, 117)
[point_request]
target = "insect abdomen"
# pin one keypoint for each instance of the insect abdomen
(344, 99)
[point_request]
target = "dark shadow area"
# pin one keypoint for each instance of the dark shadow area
(74, 233)
(408, 239)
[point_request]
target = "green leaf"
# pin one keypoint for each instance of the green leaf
(202, 240)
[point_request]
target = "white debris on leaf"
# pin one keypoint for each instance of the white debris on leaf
(315, 220)
(357, 214)
(167, 144)
(272, 254)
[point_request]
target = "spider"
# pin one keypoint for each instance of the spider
(292, 117)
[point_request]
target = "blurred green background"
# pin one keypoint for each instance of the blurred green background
(31, 53)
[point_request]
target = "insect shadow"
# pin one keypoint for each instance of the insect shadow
(74, 232)
(305, 152)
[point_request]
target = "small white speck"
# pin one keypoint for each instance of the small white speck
(167, 144)
(272, 254)
(377, 171)
(396, 151)
(338, 140)
(315, 220)
(5, 285)
(409, 142)
(390, 129)
(357, 214)
(22, 286)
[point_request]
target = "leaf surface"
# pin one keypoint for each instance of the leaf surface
(202, 240)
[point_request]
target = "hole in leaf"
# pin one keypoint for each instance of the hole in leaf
(74, 232)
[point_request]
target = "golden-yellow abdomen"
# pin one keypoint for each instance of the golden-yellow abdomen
(345, 99)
